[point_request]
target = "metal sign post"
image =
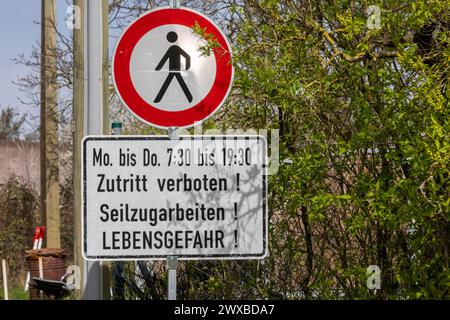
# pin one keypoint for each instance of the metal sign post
(92, 277)
(174, 3)
(172, 262)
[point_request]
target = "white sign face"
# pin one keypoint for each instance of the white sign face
(150, 67)
(199, 197)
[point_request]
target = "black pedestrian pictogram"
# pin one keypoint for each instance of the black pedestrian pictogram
(174, 54)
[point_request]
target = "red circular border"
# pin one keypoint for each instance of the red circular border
(144, 110)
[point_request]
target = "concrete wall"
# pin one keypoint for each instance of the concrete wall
(20, 159)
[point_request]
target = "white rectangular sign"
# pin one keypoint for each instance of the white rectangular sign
(199, 197)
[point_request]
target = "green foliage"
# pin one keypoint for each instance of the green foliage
(18, 215)
(16, 293)
(364, 115)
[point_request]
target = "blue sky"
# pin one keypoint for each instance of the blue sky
(19, 31)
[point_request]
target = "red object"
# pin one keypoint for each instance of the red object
(37, 234)
(41, 235)
(144, 110)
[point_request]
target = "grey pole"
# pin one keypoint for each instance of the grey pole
(118, 286)
(94, 117)
(174, 133)
(174, 3)
(172, 264)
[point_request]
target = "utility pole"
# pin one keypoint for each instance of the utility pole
(95, 286)
(106, 265)
(50, 215)
(90, 112)
(105, 70)
(78, 118)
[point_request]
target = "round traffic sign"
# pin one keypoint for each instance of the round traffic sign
(161, 74)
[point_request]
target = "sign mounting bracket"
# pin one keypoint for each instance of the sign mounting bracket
(172, 261)
(174, 133)
(174, 4)
(172, 265)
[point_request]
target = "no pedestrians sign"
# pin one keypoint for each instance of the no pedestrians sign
(149, 197)
(161, 73)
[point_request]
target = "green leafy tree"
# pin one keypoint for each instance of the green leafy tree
(363, 113)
